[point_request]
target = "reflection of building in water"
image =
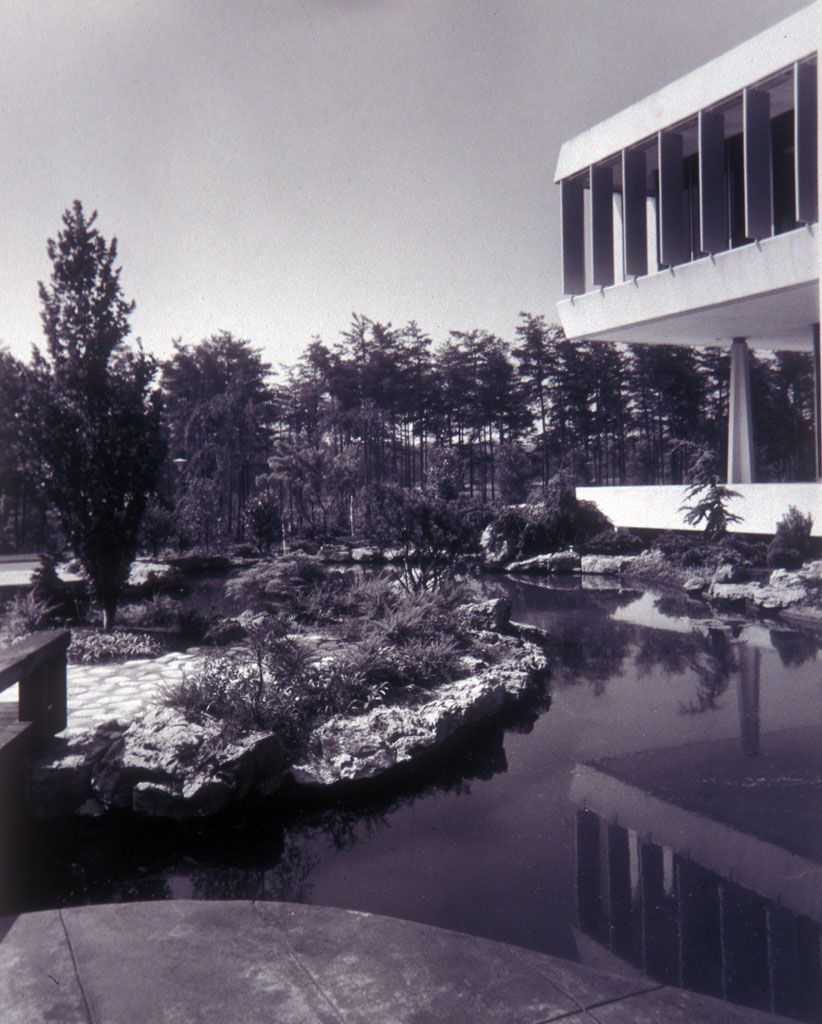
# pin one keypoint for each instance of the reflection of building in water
(701, 864)
(695, 903)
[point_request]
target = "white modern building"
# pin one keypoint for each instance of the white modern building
(691, 218)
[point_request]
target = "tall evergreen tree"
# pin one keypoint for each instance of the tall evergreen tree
(92, 417)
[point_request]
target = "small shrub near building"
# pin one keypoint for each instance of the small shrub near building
(792, 543)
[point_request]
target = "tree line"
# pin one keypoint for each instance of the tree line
(223, 447)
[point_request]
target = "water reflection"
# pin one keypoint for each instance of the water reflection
(260, 851)
(685, 924)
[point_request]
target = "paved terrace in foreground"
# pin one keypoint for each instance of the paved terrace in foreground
(225, 962)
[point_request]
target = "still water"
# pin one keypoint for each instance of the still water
(660, 805)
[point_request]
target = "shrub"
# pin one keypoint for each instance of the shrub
(782, 556)
(736, 551)
(794, 530)
(559, 521)
(28, 613)
(282, 581)
(263, 522)
(157, 611)
(589, 521)
(93, 648)
(613, 542)
(791, 544)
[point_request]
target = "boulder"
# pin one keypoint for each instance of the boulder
(556, 562)
(730, 573)
(59, 780)
(694, 585)
(767, 597)
(606, 565)
(346, 749)
(335, 554)
(493, 614)
(367, 555)
(734, 593)
(145, 574)
(167, 766)
(224, 632)
(495, 551)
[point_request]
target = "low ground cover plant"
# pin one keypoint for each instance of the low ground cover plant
(91, 647)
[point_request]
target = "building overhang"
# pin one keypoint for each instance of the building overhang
(792, 39)
(766, 292)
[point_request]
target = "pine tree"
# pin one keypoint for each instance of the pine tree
(92, 417)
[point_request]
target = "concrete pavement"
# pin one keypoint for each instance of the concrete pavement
(217, 962)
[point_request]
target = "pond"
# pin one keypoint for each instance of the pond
(660, 808)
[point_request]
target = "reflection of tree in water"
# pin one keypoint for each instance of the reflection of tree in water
(714, 662)
(592, 652)
(674, 653)
(795, 647)
(680, 606)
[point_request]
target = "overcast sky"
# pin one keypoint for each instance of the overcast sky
(270, 166)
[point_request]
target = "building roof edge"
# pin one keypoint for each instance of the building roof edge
(791, 39)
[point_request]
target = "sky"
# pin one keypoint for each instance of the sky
(269, 168)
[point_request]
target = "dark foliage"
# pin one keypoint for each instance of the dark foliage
(93, 420)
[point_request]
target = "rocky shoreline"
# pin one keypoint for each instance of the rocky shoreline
(161, 764)
(792, 593)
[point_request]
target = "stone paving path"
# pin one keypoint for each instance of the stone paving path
(98, 693)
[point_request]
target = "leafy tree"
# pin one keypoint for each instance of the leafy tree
(263, 522)
(219, 412)
(92, 417)
(431, 532)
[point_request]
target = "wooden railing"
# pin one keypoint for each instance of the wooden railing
(38, 665)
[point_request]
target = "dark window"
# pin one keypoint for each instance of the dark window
(734, 163)
(784, 185)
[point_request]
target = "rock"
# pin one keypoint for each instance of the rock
(224, 632)
(253, 620)
(556, 562)
(730, 573)
(393, 554)
(145, 574)
(811, 570)
(347, 749)
(694, 585)
(168, 766)
(367, 555)
(606, 565)
(493, 614)
(768, 598)
(59, 780)
(734, 593)
(335, 553)
(495, 551)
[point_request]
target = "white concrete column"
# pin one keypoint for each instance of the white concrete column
(740, 420)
